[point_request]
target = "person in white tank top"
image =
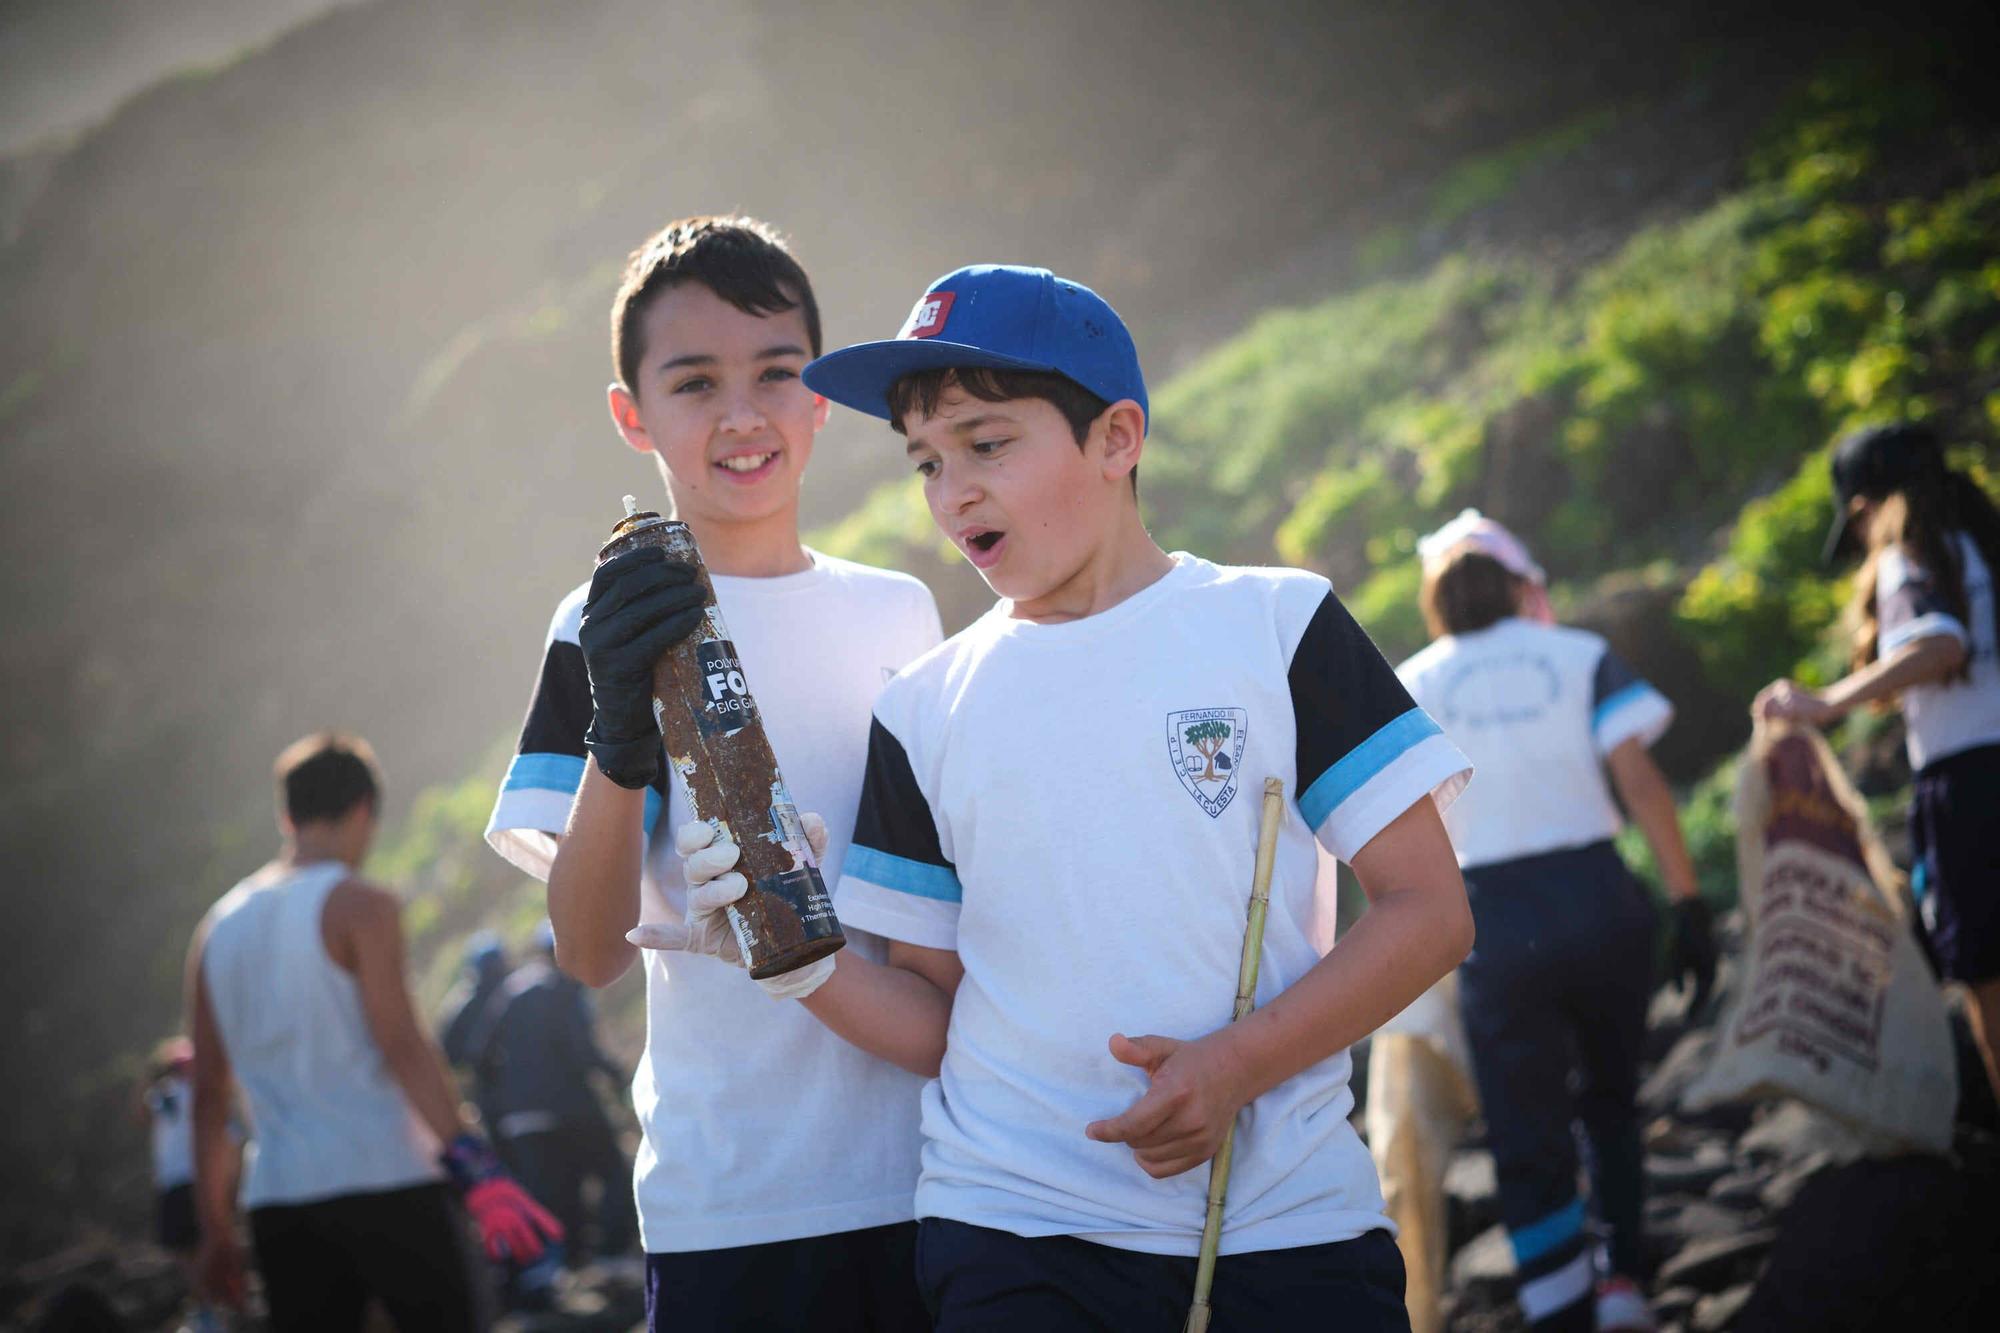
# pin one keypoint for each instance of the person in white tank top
(296, 987)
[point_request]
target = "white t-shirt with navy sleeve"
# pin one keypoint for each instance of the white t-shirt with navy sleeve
(1537, 708)
(1074, 808)
(760, 1124)
(1943, 719)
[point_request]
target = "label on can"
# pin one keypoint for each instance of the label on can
(746, 940)
(788, 829)
(726, 705)
(806, 894)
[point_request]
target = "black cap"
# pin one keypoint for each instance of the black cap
(1876, 461)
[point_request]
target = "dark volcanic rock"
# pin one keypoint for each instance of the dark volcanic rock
(1793, 1132)
(1742, 1188)
(1472, 1203)
(1715, 1263)
(1677, 1069)
(1903, 1243)
(1681, 1223)
(1713, 1314)
(1693, 1173)
(1675, 1302)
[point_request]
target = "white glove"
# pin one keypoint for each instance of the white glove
(712, 885)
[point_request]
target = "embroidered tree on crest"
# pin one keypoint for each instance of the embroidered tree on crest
(1208, 737)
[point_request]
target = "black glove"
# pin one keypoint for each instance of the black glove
(1691, 956)
(640, 604)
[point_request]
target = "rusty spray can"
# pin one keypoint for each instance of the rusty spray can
(725, 772)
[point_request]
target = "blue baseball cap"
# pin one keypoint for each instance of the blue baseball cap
(996, 316)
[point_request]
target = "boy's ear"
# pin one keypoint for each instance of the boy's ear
(822, 408)
(625, 416)
(1123, 426)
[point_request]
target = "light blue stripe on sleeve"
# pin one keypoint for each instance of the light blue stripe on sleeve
(1923, 627)
(1541, 1237)
(548, 772)
(1632, 693)
(1354, 769)
(563, 773)
(902, 874)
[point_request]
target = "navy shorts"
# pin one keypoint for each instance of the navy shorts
(849, 1282)
(174, 1223)
(1955, 842)
(977, 1280)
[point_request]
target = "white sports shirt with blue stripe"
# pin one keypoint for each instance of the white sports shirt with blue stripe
(1538, 707)
(760, 1124)
(1074, 808)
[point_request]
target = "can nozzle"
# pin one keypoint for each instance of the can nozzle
(631, 505)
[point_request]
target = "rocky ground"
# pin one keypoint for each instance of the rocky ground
(1761, 1219)
(101, 1286)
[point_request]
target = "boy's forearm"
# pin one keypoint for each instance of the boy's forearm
(1922, 662)
(594, 880)
(1659, 821)
(889, 1012)
(1650, 802)
(419, 1069)
(1403, 944)
(217, 1159)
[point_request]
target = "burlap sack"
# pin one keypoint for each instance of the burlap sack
(1839, 1009)
(1420, 1103)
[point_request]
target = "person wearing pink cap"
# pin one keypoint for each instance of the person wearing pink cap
(1557, 984)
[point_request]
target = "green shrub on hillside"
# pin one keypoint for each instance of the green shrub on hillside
(1708, 823)
(1304, 397)
(1684, 386)
(1757, 611)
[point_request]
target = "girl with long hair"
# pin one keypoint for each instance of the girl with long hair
(1922, 621)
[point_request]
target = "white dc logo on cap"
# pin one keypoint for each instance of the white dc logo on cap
(928, 316)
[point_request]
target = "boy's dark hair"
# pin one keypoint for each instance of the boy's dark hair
(921, 390)
(1468, 591)
(325, 775)
(741, 260)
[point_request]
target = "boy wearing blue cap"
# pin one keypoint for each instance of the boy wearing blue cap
(1056, 837)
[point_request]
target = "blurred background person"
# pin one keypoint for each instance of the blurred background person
(537, 1050)
(166, 1106)
(1554, 993)
(1923, 639)
(466, 1013)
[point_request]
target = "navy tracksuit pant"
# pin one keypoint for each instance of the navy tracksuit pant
(1554, 998)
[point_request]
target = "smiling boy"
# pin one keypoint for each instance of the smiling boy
(749, 1219)
(1056, 838)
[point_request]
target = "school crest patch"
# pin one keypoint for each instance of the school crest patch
(1206, 746)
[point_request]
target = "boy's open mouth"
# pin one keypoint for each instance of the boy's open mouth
(982, 546)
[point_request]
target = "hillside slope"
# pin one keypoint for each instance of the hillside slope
(300, 381)
(1650, 413)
